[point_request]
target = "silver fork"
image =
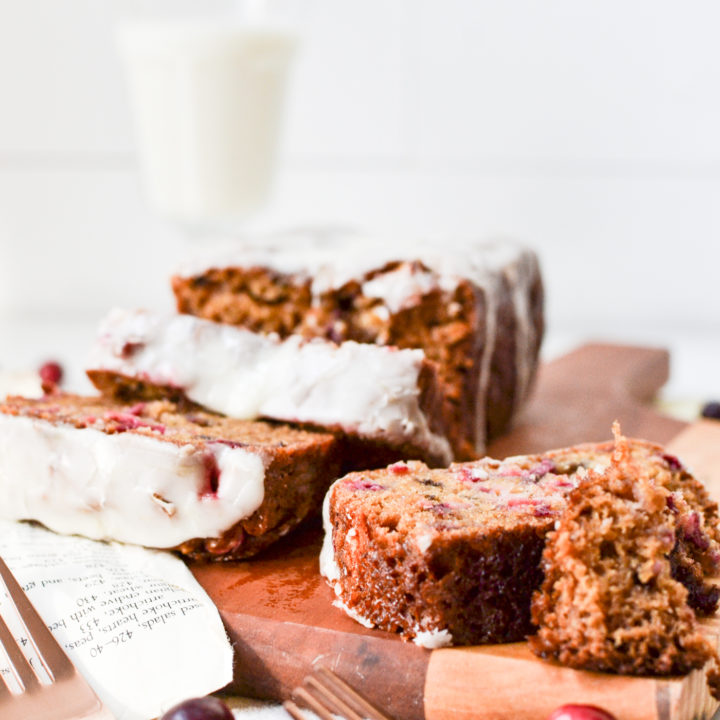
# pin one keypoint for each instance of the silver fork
(325, 693)
(67, 696)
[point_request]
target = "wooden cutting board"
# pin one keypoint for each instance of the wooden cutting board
(279, 614)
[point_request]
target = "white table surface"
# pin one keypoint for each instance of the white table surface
(695, 379)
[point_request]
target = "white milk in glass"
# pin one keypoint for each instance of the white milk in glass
(207, 99)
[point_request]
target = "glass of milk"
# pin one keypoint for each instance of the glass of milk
(207, 96)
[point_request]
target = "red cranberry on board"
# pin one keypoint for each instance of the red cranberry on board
(51, 373)
(580, 712)
(204, 708)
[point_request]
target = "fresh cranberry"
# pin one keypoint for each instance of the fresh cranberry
(363, 484)
(689, 527)
(136, 409)
(672, 461)
(542, 510)
(473, 474)
(711, 410)
(580, 712)
(126, 421)
(211, 480)
(205, 708)
(51, 373)
(130, 348)
(540, 470)
(539, 507)
(399, 468)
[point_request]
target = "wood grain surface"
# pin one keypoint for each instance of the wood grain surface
(279, 614)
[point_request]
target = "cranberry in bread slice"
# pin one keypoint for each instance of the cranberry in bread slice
(153, 475)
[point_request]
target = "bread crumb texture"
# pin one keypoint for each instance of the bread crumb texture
(616, 566)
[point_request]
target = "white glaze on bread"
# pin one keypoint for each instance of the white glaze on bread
(125, 486)
(330, 258)
(366, 390)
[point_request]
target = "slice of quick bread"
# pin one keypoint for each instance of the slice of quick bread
(623, 576)
(453, 556)
(374, 397)
(153, 475)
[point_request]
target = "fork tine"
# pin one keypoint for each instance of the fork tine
(341, 691)
(21, 666)
(323, 691)
(325, 695)
(67, 695)
(313, 703)
(53, 657)
(293, 710)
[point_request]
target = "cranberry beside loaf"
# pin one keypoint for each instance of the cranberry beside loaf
(150, 474)
(475, 310)
(453, 556)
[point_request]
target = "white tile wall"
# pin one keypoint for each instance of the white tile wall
(350, 101)
(615, 250)
(589, 129)
(581, 84)
(60, 82)
(75, 241)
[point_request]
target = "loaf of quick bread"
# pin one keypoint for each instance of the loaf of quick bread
(474, 309)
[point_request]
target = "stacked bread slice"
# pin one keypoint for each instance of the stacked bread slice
(291, 361)
(475, 310)
(385, 399)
